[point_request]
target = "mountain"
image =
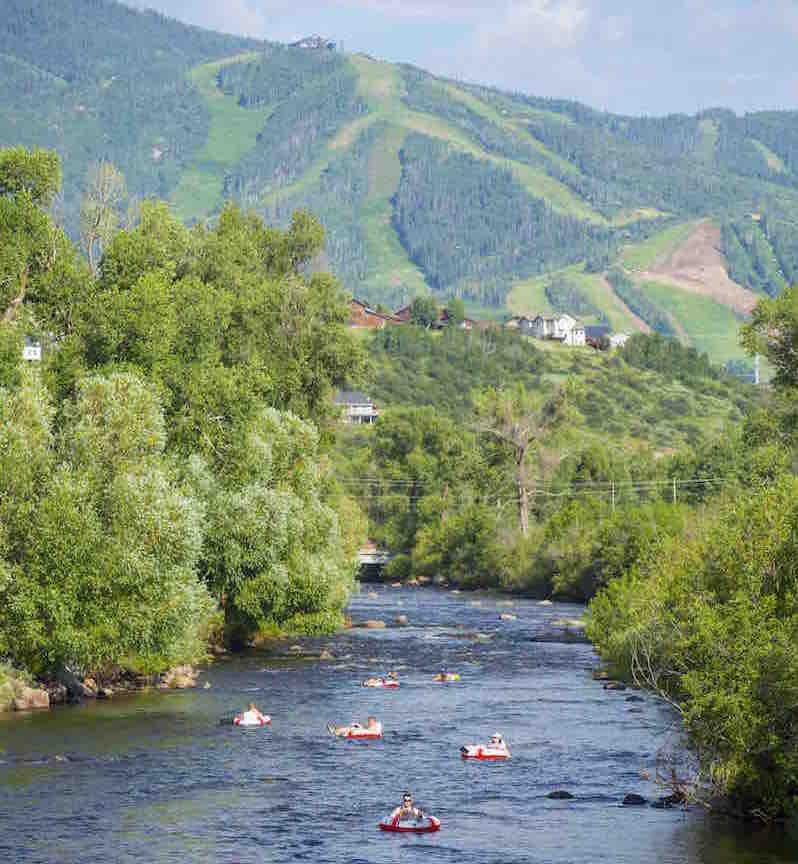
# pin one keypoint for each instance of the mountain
(677, 223)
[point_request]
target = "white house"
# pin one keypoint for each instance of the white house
(575, 336)
(356, 407)
(618, 340)
(32, 351)
(564, 328)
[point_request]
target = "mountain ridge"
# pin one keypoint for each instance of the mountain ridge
(423, 183)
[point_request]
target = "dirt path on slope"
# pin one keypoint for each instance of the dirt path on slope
(698, 266)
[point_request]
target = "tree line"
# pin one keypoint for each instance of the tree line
(162, 474)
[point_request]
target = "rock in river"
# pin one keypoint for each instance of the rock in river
(634, 800)
(507, 616)
(560, 795)
(371, 624)
(401, 621)
(28, 699)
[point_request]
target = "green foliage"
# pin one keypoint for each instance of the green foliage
(565, 296)
(751, 258)
(300, 567)
(469, 225)
(656, 317)
(312, 95)
(773, 331)
(415, 367)
(100, 546)
(11, 344)
(709, 619)
(669, 357)
(115, 90)
(150, 479)
(423, 311)
(35, 173)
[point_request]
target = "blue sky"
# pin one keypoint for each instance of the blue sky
(637, 56)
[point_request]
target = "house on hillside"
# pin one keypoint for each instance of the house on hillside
(32, 351)
(362, 316)
(618, 340)
(356, 407)
(561, 328)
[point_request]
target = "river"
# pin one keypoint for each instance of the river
(156, 778)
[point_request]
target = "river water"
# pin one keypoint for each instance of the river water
(157, 778)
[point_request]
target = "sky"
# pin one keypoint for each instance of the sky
(626, 56)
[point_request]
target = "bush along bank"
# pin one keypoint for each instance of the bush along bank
(708, 619)
(182, 405)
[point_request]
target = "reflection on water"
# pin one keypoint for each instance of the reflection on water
(156, 778)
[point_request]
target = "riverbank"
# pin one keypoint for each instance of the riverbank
(21, 692)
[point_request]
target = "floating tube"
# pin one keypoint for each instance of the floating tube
(479, 751)
(448, 677)
(357, 732)
(425, 825)
(387, 683)
(244, 721)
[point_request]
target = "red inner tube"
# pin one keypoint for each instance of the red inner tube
(432, 824)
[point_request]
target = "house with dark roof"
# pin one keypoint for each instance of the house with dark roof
(356, 407)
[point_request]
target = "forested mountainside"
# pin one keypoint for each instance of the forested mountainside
(674, 224)
(96, 80)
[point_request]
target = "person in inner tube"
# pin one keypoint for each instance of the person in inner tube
(252, 715)
(497, 742)
(406, 811)
(354, 726)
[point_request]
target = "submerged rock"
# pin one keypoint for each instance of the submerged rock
(401, 621)
(58, 693)
(28, 699)
(634, 800)
(508, 616)
(614, 685)
(373, 624)
(560, 795)
(544, 603)
(179, 678)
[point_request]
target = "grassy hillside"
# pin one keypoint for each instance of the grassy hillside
(634, 406)
(423, 184)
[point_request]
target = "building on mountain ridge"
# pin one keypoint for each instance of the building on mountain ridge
(314, 43)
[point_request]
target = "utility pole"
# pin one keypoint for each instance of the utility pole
(674, 490)
(756, 370)
(613, 496)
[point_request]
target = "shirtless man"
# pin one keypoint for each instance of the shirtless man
(406, 811)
